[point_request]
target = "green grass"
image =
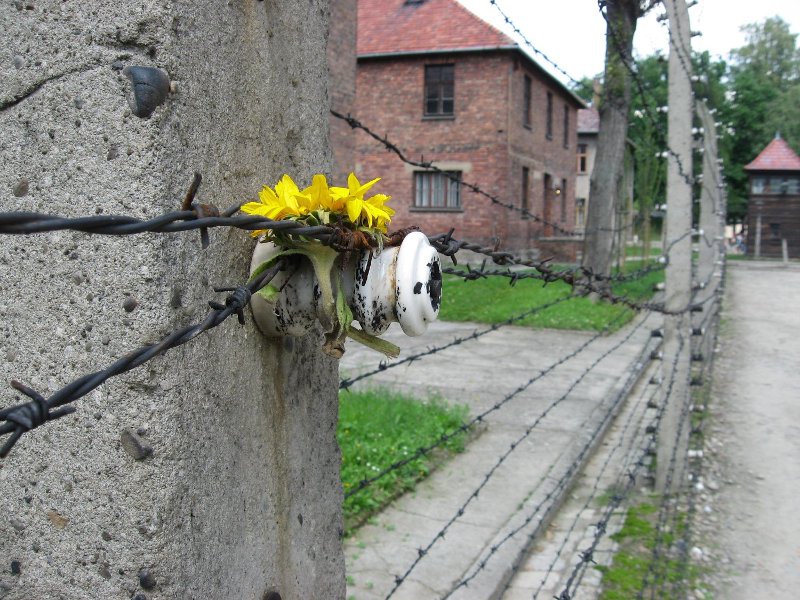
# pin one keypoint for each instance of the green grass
(632, 562)
(492, 300)
(378, 428)
(637, 251)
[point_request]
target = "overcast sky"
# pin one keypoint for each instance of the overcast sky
(572, 32)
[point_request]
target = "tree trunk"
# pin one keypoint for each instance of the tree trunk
(606, 180)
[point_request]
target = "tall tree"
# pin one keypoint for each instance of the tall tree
(606, 179)
(764, 79)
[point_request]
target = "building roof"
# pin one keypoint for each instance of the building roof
(777, 156)
(403, 26)
(588, 120)
(393, 28)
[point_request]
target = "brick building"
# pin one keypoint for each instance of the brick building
(774, 209)
(444, 85)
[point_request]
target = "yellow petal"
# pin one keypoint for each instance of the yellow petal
(354, 206)
(254, 208)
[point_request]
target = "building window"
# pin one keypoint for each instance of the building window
(525, 191)
(563, 200)
(580, 213)
(775, 185)
(526, 120)
(566, 126)
(775, 230)
(439, 90)
(437, 190)
(582, 165)
(549, 130)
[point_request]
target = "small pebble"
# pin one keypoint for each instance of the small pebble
(17, 524)
(21, 189)
(130, 304)
(106, 536)
(146, 579)
(134, 445)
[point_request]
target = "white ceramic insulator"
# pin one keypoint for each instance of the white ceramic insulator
(400, 284)
(294, 312)
(374, 293)
(418, 286)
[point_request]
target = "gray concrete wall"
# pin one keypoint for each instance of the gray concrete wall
(240, 496)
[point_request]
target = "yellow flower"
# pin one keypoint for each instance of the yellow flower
(364, 211)
(285, 201)
(321, 196)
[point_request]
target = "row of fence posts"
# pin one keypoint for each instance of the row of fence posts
(685, 287)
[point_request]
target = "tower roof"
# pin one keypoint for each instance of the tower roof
(777, 156)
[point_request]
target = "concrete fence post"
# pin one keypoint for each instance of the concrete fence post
(711, 240)
(678, 244)
(213, 471)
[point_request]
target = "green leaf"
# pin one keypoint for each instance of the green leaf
(343, 312)
(370, 341)
(269, 293)
(262, 267)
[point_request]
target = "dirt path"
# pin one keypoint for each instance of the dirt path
(750, 520)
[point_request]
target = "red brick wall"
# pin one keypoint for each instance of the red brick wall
(486, 135)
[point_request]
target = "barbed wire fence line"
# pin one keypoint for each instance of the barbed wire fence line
(400, 579)
(631, 433)
(566, 479)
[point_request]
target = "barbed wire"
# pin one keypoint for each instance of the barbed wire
(423, 450)
(430, 166)
(423, 552)
(686, 174)
(445, 244)
(699, 431)
(341, 239)
(530, 45)
(668, 498)
(472, 273)
(638, 412)
(348, 382)
(586, 557)
(21, 418)
(576, 463)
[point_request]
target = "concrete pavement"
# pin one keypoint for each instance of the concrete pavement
(552, 424)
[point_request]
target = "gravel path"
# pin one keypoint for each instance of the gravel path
(749, 525)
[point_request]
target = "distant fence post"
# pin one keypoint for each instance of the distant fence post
(712, 240)
(673, 436)
(213, 470)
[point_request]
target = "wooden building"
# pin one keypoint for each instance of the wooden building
(774, 209)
